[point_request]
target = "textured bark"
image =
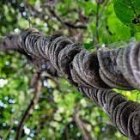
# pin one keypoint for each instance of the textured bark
(93, 73)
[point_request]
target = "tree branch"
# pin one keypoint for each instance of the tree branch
(81, 125)
(94, 74)
(67, 24)
(30, 107)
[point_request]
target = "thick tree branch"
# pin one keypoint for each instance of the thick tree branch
(94, 74)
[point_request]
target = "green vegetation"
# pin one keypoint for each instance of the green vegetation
(61, 113)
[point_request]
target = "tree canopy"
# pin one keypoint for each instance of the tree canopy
(38, 106)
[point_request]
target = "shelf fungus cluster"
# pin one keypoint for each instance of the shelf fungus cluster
(93, 73)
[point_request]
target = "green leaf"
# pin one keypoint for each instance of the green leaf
(128, 11)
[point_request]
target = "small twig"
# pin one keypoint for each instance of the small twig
(67, 24)
(81, 125)
(104, 6)
(30, 106)
(42, 15)
(97, 23)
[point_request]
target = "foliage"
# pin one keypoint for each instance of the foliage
(128, 11)
(54, 117)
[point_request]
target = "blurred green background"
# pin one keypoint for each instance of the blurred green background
(61, 112)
